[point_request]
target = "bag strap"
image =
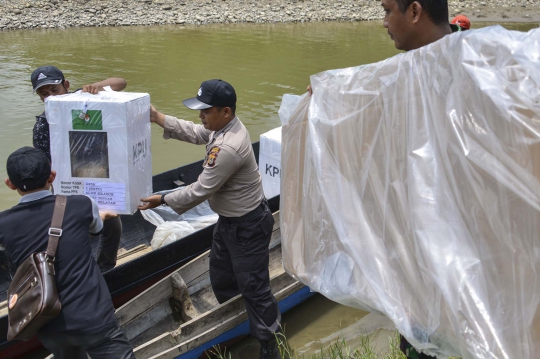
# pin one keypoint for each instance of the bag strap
(56, 225)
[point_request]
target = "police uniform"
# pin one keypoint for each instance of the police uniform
(230, 180)
(232, 184)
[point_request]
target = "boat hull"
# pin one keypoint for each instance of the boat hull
(242, 329)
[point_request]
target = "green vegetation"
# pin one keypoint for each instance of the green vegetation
(336, 350)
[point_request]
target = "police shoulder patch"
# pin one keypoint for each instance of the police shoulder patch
(211, 157)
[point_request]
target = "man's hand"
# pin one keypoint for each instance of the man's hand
(310, 90)
(150, 202)
(104, 215)
(116, 83)
(156, 116)
(92, 88)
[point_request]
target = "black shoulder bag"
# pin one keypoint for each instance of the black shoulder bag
(32, 296)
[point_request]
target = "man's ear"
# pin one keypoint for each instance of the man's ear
(10, 184)
(52, 176)
(66, 85)
(416, 11)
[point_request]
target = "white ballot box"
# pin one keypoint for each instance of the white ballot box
(100, 146)
(270, 162)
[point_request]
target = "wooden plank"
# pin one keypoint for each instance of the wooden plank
(122, 252)
(133, 253)
(144, 301)
(147, 320)
(277, 223)
(3, 308)
(192, 271)
(275, 239)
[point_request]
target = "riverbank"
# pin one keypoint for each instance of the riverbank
(32, 14)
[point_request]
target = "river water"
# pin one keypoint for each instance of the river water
(261, 61)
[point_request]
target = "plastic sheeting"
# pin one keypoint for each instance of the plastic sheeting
(100, 146)
(172, 226)
(411, 187)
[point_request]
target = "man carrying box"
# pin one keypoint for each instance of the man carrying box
(232, 184)
(413, 24)
(50, 81)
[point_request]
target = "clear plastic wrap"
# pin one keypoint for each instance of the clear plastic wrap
(410, 187)
(171, 226)
(100, 146)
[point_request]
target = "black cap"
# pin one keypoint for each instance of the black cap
(212, 93)
(28, 168)
(46, 75)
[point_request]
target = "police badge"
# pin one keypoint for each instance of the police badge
(210, 160)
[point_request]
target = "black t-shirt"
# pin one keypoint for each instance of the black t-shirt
(86, 302)
(41, 136)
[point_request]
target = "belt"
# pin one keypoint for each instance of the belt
(250, 215)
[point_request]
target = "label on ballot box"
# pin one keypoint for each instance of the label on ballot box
(100, 146)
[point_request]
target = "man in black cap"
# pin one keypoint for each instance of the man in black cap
(232, 184)
(86, 324)
(50, 81)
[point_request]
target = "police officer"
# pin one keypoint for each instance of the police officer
(232, 184)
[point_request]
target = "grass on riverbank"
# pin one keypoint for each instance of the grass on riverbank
(336, 350)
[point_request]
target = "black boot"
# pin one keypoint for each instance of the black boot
(269, 350)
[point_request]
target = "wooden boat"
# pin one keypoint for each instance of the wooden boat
(179, 317)
(139, 266)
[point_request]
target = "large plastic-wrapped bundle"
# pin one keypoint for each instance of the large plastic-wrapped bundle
(100, 147)
(411, 187)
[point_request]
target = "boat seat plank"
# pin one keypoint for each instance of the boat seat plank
(131, 254)
(3, 308)
(144, 301)
(152, 324)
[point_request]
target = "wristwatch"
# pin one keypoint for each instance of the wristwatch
(163, 203)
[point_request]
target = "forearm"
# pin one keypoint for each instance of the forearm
(116, 83)
(184, 131)
(157, 117)
(186, 198)
(225, 163)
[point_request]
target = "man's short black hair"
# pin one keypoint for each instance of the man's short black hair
(437, 10)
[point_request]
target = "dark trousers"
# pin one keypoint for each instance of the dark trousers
(239, 265)
(108, 344)
(109, 241)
